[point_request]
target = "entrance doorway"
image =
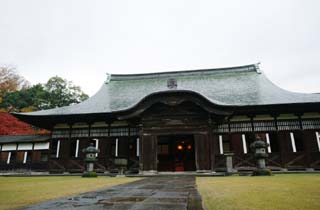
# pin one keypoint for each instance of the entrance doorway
(176, 153)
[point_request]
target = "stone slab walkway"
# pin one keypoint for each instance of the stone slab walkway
(156, 193)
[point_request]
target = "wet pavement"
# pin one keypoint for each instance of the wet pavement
(155, 193)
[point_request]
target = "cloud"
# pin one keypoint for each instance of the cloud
(82, 40)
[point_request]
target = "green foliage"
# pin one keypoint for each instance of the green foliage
(280, 192)
(262, 172)
(91, 174)
(56, 92)
(32, 98)
(62, 93)
(17, 192)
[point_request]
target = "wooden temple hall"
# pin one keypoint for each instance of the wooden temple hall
(177, 121)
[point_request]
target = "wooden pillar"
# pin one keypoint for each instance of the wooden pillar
(202, 152)
(213, 150)
(283, 145)
(148, 155)
(308, 138)
(140, 153)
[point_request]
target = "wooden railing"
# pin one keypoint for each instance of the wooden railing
(295, 161)
(315, 160)
(248, 162)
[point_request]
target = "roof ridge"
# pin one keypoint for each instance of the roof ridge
(119, 77)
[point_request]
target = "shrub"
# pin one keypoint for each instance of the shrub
(262, 172)
(91, 174)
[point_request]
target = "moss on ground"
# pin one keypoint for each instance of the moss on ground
(278, 192)
(22, 191)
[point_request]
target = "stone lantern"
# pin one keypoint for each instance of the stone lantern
(259, 148)
(121, 164)
(90, 157)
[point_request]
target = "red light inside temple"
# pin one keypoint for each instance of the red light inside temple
(180, 147)
(189, 147)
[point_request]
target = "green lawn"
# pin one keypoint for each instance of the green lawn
(21, 191)
(278, 192)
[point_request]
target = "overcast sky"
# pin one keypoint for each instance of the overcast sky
(82, 40)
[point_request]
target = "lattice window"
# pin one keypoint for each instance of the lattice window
(119, 131)
(80, 132)
(134, 131)
(222, 128)
(60, 133)
(311, 124)
(163, 149)
(264, 126)
(96, 132)
(240, 127)
(288, 125)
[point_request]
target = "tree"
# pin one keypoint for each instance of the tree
(10, 125)
(10, 81)
(62, 93)
(56, 92)
(17, 95)
(29, 99)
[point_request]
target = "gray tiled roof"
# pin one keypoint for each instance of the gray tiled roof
(24, 138)
(235, 86)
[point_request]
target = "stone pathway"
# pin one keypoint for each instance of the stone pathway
(155, 193)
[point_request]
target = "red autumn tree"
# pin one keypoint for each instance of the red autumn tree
(10, 125)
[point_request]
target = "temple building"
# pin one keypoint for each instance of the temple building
(178, 121)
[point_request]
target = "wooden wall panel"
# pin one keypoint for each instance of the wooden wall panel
(236, 144)
(110, 147)
(310, 145)
(20, 156)
(149, 153)
(102, 148)
(4, 156)
(310, 140)
(214, 149)
(202, 152)
(284, 146)
(83, 143)
(64, 149)
(36, 156)
(123, 146)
